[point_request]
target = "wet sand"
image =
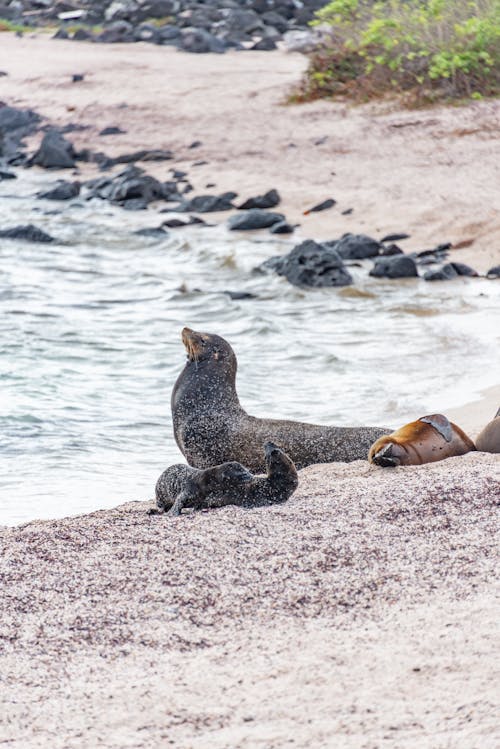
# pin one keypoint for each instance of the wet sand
(361, 613)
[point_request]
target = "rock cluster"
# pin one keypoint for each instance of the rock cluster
(323, 263)
(203, 26)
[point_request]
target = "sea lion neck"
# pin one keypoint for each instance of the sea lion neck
(206, 385)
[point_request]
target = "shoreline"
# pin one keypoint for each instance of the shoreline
(364, 607)
(412, 171)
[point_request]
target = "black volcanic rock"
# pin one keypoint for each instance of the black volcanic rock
(63, 190)
(207, 204)
(445, 273)
(253, 219)
(465, 270)
(398, 266)
(55, 152)
(356, 247)
(28, 232)
(270, 199)
(494, 272)
(311, 264)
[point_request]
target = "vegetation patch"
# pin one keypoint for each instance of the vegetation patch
(440, 49)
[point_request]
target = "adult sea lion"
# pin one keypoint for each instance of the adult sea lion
(426, 440)
(488, 440)
(211, 427)
(227, 484)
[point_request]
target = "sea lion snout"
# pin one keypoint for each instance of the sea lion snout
(193, 343)
(271, 449)
(386, 457)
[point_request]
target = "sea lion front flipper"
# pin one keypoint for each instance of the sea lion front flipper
(180, 501)
(440, 424)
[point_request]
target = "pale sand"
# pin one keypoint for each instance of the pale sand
(360, 614)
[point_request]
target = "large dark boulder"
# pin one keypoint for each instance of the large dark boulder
(397, 266)
(15, 124)
(356, 247)
(311, 264)
(55, 152)
(255, 218)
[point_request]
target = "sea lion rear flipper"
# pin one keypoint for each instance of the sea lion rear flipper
(180, 501)
(440, 424)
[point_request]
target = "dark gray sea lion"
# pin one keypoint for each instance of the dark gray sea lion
(227, 484)
(426, 440)
(488, 440)
(211, 427)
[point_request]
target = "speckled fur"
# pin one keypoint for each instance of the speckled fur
(227, 484)
(211, 427)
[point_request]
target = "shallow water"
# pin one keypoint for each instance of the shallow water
(90, 331)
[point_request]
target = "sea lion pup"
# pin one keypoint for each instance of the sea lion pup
(426, 440)
(488, 440)
(227, 484)
(211, 427)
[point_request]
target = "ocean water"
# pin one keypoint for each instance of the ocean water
(90, 346)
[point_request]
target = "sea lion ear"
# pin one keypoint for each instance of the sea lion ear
(440, 424)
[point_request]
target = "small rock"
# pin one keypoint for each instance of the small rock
(446, 273)
(465, 270)
(112, 130)
(195, 144)
(77, 77)
(62, 191)
(27, 232)
(253, 219)
(237, 295)
(355, 246)
(399, 266)
(390, 249)
(7, 175)
(329, 203)
(282, 227)
(55, 152)
(207, 204)
(494, 272)
(394, 237)
(157, 232)
(270, 199)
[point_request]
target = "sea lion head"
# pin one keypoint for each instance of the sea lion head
(225, 477)
(204, 347)
(280, 468)
(387, 453)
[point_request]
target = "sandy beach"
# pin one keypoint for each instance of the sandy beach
(363, 612)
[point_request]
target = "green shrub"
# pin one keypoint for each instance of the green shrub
(429, 50)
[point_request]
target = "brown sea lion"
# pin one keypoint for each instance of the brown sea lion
(211, 427)
(488, 440)
(227, 484)
(426, 440)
